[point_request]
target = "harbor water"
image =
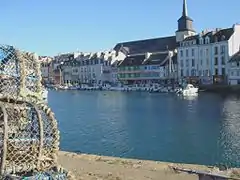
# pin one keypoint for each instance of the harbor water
(201, 130)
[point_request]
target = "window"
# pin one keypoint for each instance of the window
(187, 63)
(181, 53)
(186, 52)
(216, 71)
(201, 62)
(222, 49)
(238, 73)
(207, 72)
(181, 72)
(201, 40)
(193, 52)
(223, 72)
(237, 64)
(201, 52)
(223, 60)
(207, 61)
(187, 72)
(193, 62)
(223, 38)
(216, 61)
(193, 72)
(216, 50)
(207, 53)
(207, 40)
(181, 63)
(200, 72)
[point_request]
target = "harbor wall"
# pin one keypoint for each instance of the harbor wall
(94, 167)
(224, 89)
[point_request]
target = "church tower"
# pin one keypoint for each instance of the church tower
(185, 25)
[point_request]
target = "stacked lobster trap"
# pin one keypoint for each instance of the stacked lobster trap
(29, 137)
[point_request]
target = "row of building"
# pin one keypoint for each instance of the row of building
(211, 56)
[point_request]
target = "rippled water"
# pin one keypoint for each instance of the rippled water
(204, 130)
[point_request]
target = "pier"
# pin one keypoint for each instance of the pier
(93, 167)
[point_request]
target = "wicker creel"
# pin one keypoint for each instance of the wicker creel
(20, 73)
(29, 137)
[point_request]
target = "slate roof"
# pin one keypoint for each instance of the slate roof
(133, 60)
(147, 45)
(71, 63)
(235, 57)
(220, 35)
(155, 59)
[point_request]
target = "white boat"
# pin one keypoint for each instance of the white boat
(189, 90)
(60, 87)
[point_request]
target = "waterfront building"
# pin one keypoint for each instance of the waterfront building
(57, 76)
(204, 57)
(147, 68)
(234, 69)
(153, 60)
(147, 61)
(201, 57)
(46, 68)
(114, 72)
(93, 68)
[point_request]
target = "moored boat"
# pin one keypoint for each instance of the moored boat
(188, 90)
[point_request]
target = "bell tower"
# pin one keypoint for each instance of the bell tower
(185, 24)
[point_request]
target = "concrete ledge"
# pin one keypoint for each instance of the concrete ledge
(93, 167)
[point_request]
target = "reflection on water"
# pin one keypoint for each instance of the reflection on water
(203, 129)
(230, 130)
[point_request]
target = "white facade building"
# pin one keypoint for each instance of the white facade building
(205, 56)
(46, 67)
(94, 68)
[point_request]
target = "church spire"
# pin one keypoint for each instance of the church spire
(184, 13)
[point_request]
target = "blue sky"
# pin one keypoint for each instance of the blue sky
(49, 27)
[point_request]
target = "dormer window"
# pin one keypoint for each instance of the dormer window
(216, 39)
(207, 40)
(201, 40)
(223, 38)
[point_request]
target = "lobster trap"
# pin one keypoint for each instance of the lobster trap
(20, 73)
(29, 137)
